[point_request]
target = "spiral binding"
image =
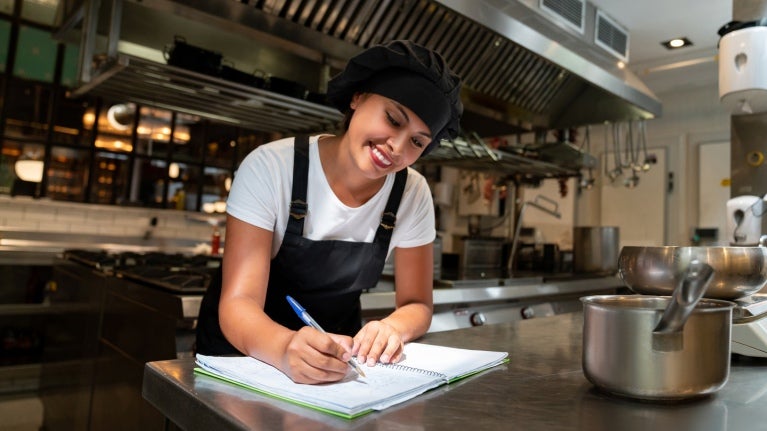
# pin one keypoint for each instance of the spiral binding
(401, 367)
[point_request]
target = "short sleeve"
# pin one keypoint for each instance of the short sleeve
(259, 185)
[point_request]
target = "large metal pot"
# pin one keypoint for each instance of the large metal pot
(738, 271)
(624, 355)
(595, 249)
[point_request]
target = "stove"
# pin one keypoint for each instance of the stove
(174, 279)
(98, 259)
(749, 326)
(177, 273)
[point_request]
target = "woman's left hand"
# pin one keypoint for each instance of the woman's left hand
(376, 342)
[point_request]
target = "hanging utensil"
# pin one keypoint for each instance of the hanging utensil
(632, 158)
(626, 162)
(588, 182)
(634, 148)
(643, 141)
(470, 186)
(631, 181)
(617, 171)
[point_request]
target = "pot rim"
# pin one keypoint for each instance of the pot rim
(647, 303)
(695, 247)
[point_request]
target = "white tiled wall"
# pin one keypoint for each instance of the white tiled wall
(42, 215)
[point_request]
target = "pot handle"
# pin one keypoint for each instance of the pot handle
(685, 297)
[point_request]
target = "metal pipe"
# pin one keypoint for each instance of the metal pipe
(115, 21)
(553, 212)
(88, 41)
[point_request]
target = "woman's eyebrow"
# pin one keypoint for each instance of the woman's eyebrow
(407, 118)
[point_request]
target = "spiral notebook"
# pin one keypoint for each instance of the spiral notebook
(424, 367)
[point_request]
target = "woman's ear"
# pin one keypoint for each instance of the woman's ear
(357, 98)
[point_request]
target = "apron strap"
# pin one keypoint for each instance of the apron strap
(389, 216)
(298, 205)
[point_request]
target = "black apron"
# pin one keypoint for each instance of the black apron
(326, 277)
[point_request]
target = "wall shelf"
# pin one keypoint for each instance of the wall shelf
(148, 83)
(133, 79)
(474, 154)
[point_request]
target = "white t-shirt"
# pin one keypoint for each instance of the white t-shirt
(261, 192)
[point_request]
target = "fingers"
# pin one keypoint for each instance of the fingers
(316, 357)
(345, 343)
(377, 342)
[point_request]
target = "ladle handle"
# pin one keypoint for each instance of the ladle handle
(685, 297)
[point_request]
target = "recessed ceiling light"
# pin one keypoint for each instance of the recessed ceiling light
(679, 42)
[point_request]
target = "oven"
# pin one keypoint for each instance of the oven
(463, 303)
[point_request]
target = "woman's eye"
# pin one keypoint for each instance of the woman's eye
(391, 119)
(417, 142)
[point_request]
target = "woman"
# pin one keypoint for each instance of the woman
(315, 218)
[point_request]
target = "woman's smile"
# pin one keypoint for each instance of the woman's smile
(380, 158)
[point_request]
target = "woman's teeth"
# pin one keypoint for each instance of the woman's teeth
(381, 158)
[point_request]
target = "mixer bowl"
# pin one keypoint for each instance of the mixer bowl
(738, 271)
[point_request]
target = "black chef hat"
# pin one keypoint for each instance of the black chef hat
(411, 74)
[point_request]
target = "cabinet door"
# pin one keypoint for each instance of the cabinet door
(71, 347)
(714, 188)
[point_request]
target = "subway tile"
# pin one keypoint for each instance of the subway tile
(11, 213)
(70, 214)
(111, 230)
(57, 227)
(131, 220)
(57, 216)
(37, 213)
(99, 214)
(21, 224)
(173, 221)
(84, 228)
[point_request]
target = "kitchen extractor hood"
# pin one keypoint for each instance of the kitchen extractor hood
(524, 68)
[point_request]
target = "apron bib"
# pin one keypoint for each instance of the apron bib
(326, 276)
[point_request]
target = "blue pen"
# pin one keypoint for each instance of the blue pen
(301, 312)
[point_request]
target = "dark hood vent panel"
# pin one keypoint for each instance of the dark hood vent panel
(488, 63)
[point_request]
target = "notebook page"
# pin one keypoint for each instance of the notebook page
(381, 388)
(449, 361)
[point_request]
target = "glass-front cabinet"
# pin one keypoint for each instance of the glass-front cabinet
(111, 152)
(68, 172)
(94, 150)
(148, 157)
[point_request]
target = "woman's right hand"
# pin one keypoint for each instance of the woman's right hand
(315, 357)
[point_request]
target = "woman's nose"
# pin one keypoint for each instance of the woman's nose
(395, 144)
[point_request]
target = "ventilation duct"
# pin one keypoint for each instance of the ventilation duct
(612, 37)
(571, 12)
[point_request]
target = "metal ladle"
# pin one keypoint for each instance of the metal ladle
(588, 182)
(631, 181)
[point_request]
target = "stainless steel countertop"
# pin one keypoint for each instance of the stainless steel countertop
(41, 248)
(495, 290)
(382, 298)
(541, 388)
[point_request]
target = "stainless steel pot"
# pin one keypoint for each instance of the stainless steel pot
(623, 354)
(595, 249)
(738, 271)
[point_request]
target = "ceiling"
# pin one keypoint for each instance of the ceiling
(650, 22)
